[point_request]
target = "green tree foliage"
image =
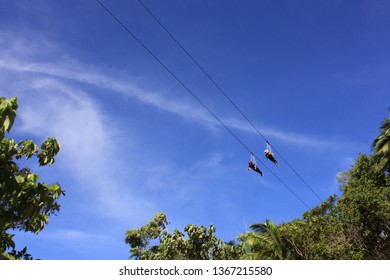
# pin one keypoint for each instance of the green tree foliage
(139, 239)
(364, 207)
(265, 243)
(196, 243)
(320, 234)
(354, 226)
(381, 144)
(25, 203)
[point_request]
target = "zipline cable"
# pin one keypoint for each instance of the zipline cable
(198, 99)
(226, 95)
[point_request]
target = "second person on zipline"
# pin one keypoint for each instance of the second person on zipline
(254, 167)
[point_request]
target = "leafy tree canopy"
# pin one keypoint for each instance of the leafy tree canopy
(25, 203)
(265, 242)
(354, 226)
(381, 144)
(195, 243)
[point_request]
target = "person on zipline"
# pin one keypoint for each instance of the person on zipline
(271, 157)
(254, 167)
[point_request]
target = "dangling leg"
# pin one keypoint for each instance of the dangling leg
(258, 170)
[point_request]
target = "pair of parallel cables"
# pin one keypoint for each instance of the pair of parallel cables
(204, 105)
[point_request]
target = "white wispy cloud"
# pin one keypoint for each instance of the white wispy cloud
(70, 235)
(73, 70)
(70, 69)
(89, 143)
(283, 136)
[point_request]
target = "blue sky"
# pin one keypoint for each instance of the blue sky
(311, 75)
